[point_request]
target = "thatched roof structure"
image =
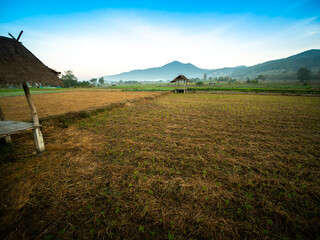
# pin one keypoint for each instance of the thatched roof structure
(180, 78)
(18, 65)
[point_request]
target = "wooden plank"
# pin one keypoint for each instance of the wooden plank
(9, 127)
(14, 127)
(15, 123)
(16, 132)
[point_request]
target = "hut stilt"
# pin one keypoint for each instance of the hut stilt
(38, 139)
(7, 138)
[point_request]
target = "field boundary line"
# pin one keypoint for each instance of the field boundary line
(66, 119)
(257, 93)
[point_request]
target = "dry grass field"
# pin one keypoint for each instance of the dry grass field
(181, 166)
(16, 108)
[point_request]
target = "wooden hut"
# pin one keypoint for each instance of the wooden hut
(179, 79)
(19, 67)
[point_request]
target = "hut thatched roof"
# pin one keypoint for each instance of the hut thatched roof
(180, 78)
(18, 65)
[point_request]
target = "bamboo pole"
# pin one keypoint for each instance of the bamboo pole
(38, 139)
(7, 138)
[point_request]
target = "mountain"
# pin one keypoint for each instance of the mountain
(309, 59)
(168, 71)
(223, 72)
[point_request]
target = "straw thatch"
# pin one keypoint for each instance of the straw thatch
(180, 78)
(18, 65)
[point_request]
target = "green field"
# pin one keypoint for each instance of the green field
(182, 166)
(274, 86)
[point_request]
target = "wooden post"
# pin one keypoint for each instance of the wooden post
(186, 86)
(185, 83)
(8, 138)
(38, 139)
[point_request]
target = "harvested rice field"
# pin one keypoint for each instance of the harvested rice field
(180, 166)
(16, 108)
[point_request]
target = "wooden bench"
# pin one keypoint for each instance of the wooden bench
(9, 127)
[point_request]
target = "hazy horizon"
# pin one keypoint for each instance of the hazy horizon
(96, 38)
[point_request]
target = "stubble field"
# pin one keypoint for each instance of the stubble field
(181, 166)
(16, 108)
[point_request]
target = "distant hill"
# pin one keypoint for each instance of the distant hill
(309, 59)
(223, 72)
(168, 71)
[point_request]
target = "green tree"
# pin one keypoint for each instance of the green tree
(93, 81)
(194, 79)
(199, 84)
(205, 77)
(252, 81)
(69, 79)
(101, 81)
(131, 82)
(304, 74)
(261, 77)
(84, 84)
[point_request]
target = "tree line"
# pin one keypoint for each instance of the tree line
(70, 80)
(303, 75)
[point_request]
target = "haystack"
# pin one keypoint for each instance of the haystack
(18, 66)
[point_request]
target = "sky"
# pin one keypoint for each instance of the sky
(98, 38)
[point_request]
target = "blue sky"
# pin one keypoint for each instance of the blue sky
(96, 38)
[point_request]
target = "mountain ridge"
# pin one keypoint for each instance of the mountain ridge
(309, 59)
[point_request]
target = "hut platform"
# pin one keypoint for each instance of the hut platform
(9, 127)
(180, 90)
